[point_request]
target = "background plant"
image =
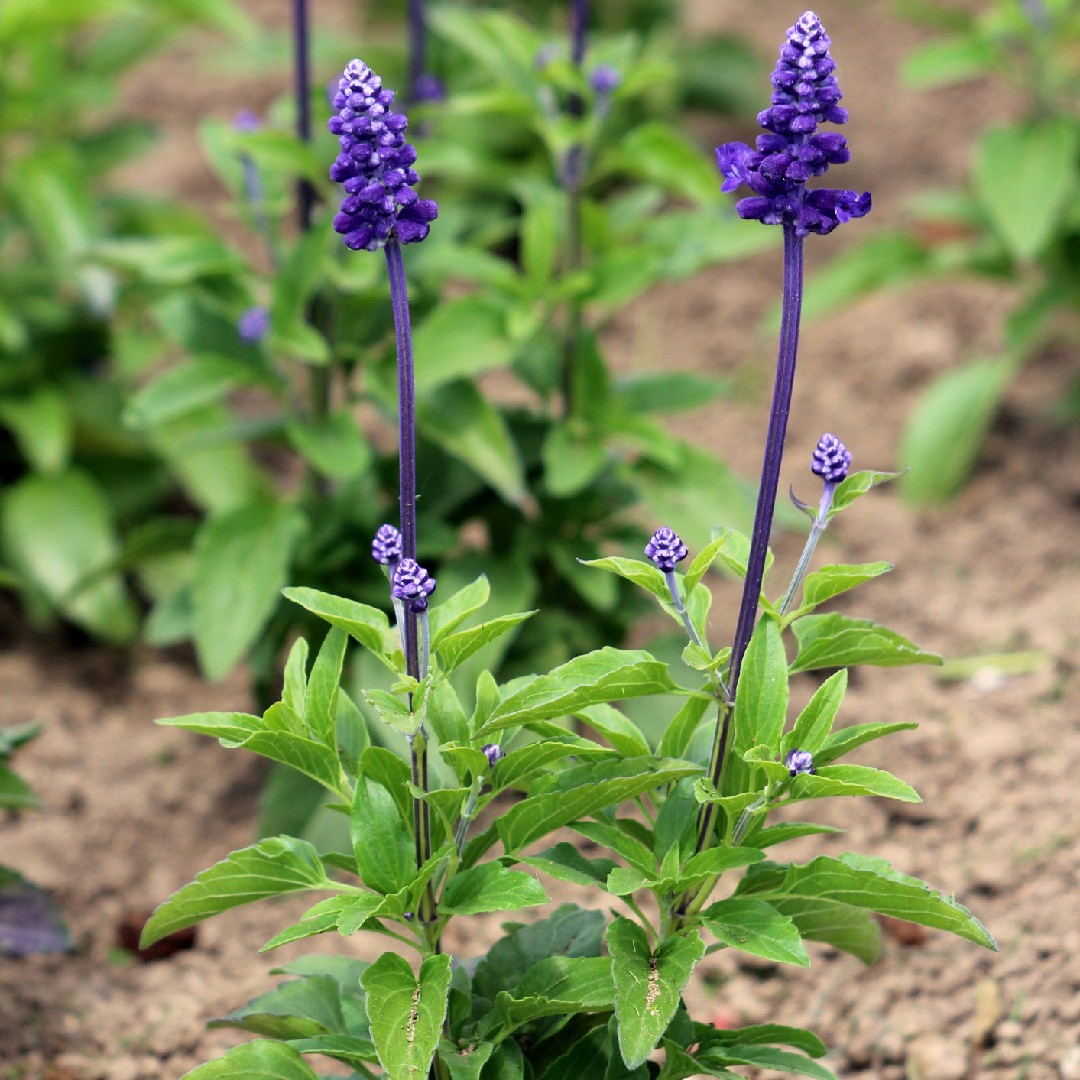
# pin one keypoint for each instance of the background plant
(544, 1002)
(1013, 221)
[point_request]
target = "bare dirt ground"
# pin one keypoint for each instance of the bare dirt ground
(134, 811)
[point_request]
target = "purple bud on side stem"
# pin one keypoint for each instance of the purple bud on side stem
(386, 545)
(666, 549)
(799, 762)
(831, 459)
(493, 752)
(412, 584)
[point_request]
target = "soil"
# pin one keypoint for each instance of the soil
(133, 811)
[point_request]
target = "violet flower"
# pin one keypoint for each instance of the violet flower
(375, 166)
(831, 459)
(413, 584)
(493, 752)
(799, 762)
(386, 546)
(666, 549)
(253, 325)
(604, 80)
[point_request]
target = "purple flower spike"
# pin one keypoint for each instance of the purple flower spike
(831, 459)
(386, 547)
(799, 762)
(411, 582)
(666, 549)
(493, 752)
(253, 325)
(792, 150)
(375, 166)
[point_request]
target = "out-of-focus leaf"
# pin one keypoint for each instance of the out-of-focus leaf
(30, 922)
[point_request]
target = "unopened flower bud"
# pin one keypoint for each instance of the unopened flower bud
(386, 546)
(799, 762)
(831, 459)
(412, 583)
(666, 549)
(493, 752)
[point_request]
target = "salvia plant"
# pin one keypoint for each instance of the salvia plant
(684, 822)
(1013, 220)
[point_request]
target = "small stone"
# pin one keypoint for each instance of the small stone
(937, 1057)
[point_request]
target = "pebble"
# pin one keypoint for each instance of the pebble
(937, 1057)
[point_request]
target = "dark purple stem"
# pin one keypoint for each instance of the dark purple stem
(763, 515)
(399, 299)
(305, 191)
(417, 46)
(579, 15)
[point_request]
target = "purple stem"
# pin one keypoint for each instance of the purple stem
(763, 515)
(399, 299)
(305, 191)
(579, 14)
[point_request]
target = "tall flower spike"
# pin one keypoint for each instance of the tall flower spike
(666, 549)
(375, 166)
(413, 584)
(831, 459)
(792, 151)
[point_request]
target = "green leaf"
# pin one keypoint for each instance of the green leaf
(946, 431)
(856, 485)
(15, 793)
(320, 918)
(467, 1062)
(864, 882)
(702, 866)
(364, 623)
(333, 446)
(648, 985)
(791, 830)
(406, 1014)
(241, 564)
(816, 720)
(616, 837)
(851, 780)
(847, 739)
(556, 986)
(758, 928)
(850, 929)
(491, 887)
(292, 1010)
(761, 701)
(597, 677)
(642, 574)
(322, 687)
(677, 735)
(617, 728)
(769, 1058)
(42, 425)
(455, 649)
(1024, 175)
(566, 863)
(350, 1049)
(836, 640)
(459, 340)
(949, 60)
(381, 842)
(168, 260)
(263, 1059)
(669, 391)
(58, 534)
(463, 423)
(830, 581)
(658, 153)
(271, 867)
(573, 456)
(586, 790)
(449, 614)
(703, 560)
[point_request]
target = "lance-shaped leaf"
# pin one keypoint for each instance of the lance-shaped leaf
(381, 840)
(856, 484)
(566, 863)
(816, 720)
(264, 1059)
(299, 1008)
(322, 687)
(865, 882)
(847, 739)
(640, 573)
(584, 791)
(525, 762)
(405, 1013)
(491, 887)
(554, 987)
(702, 866)
(835, 640)
(852, 780)
(447, 615)
(455, 649)
(366, 624)
(280, 864)
(829, 581)
(350, 1049)
(648, 984)
(758, 928)
(600, 676)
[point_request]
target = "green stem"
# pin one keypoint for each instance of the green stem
(800, 570)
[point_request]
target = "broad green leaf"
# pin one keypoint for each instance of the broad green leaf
(847, 739)
(168, 260)
(555, 987)
(405, 1013)
(702, 866)
(829, 581)
(447, 615)
(636, 571)
(241, 564)
(658, 153)
(263, 1059)
(758, 928)
(491, 887)
(648, 984)
(381, 841)
(460, 339)
(366, 624)
(948, 60)
(677, 735)
(761, 1035)
(467, 1062)
(58, 533)
(816, 720)
(566, 863)
(851, 780)
(617, 728)
(1024, 174)
(850, 929)
(455, 649)
(351, 1049)
(946, 431)
(292, 1010)
(856, 485)
(610, 835)
(669, 391)
(865, 882)
(333, 446)
(704, 559)
(271, 867)
(320, 918)
(42, 425)
(600, 676)
(836, 640)
(462, 422)
(322, 688)
(761, 701)
(588, 789)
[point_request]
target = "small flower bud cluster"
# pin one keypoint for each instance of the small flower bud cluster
(413, 584)
(666, 549)
(799, 762)
(493, 752)
(253, 325)
(386, 546)
(792, 151)
(831, 459)
(375, 166)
